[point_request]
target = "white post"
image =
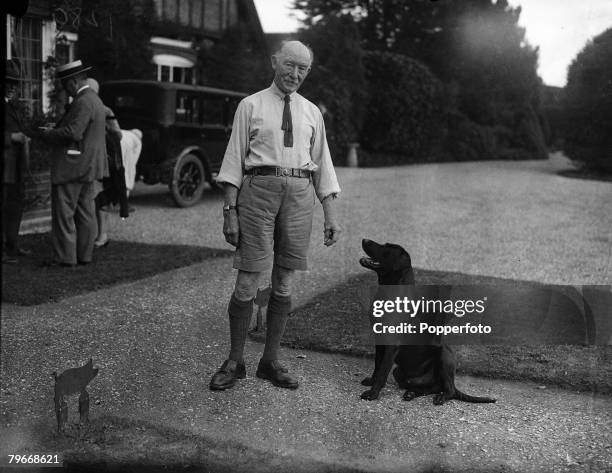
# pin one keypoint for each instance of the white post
(351, 158)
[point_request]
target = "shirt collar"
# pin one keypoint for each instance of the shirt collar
(82, 89)
(279, 93)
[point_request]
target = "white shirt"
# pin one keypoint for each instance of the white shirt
(258, 140)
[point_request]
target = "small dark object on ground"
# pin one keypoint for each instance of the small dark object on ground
(261, 301)
(72, 381)
(28, 283)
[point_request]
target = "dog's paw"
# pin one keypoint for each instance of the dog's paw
(370, 395)
(409, 395)
(369, 381)
(439, 399)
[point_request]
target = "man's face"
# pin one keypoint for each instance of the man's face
(291, 66)
(11, 89)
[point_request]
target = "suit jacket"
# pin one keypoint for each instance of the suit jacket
(82, 129)
(13, 158)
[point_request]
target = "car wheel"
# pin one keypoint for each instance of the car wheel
(188, 180)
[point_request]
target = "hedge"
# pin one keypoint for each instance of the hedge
(405, 115)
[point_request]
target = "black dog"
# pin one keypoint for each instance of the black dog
(421, 370)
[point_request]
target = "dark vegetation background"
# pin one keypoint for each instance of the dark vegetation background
(451, 81)
(416, 81)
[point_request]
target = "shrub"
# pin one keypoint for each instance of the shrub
(589, 105)
(469, 141)
(405, 112)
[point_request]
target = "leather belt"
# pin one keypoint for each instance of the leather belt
(278, 172)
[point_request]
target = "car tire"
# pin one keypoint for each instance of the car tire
(188, 180)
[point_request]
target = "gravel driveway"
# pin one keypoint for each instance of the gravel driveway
(158, 341)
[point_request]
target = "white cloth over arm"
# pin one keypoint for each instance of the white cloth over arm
(131, 146)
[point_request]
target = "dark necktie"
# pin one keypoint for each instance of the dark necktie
(287, 125)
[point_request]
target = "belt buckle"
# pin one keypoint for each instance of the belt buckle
(285, 172)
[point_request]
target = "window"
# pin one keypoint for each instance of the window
(164, 73)
(27, 49)
(184, 12)
(196, 14)
(212, 15)
(172, 68)
(199, 110)
(184, 111)
(64, 47)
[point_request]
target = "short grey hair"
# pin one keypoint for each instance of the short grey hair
(282, 44)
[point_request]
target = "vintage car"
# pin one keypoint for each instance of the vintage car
(185, 131)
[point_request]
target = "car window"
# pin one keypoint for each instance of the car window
(212, 110)
(199, 109)
(123, 102)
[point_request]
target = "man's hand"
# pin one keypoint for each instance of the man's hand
(331, 229)
(231, 227)
(331, 232)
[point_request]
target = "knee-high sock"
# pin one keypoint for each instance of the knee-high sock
(240, 318)
(276, 319)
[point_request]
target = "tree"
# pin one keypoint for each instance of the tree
(588, 105)
(475, 47)
(406, 110)
(337, 80)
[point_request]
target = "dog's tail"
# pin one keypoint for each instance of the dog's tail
(467, 398)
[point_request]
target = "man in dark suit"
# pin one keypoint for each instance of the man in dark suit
(14, 161)
(79, 161)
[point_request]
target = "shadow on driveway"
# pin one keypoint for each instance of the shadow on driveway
(30, 283)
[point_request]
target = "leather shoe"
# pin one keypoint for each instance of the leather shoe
(227, 375)
(276, 373)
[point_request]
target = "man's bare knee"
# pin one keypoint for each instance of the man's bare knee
(282, 279)
(246, 285)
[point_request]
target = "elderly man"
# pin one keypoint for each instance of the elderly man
(276, 162)
(80, 160)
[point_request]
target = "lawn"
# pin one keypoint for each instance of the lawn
(553, 354)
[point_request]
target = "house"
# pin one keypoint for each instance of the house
(182, 27)
(41, 33)
(45, 33)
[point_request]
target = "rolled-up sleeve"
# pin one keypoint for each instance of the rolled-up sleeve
(232, 168)
(324, 178)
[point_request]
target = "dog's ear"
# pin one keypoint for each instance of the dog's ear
(403, 262)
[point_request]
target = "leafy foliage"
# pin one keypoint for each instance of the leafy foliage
(589, 105)
(477, 50)
(405, 108)
(337, 81)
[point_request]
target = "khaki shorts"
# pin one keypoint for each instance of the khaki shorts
(275, 215)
